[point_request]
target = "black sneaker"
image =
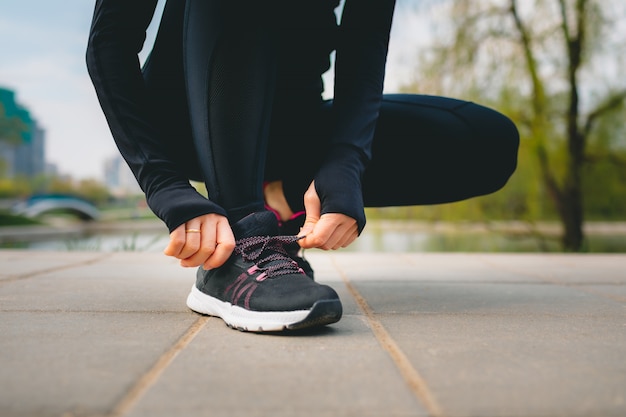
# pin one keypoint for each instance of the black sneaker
(260, 288)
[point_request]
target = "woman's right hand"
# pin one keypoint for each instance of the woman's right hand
(206, 240)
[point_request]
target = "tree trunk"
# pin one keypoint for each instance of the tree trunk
(571, 214)
(568, 201)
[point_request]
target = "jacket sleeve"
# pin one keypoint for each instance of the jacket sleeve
(359, 76)
(117, 34)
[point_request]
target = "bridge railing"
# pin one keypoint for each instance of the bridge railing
(40, 204)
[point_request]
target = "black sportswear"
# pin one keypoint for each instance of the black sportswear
(230, 95)
(162, 158)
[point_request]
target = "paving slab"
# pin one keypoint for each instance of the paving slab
(527, 349)
(108, 334)
(18, 264)
(547, 339)
(78, 363)
(339, 371)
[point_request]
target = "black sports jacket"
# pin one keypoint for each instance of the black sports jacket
(117, 35)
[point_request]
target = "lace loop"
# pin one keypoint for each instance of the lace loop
(269, 254)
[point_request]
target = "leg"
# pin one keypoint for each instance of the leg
(229, 67)
(430, 150)
(165, 85)
(427, 150)
(306, 39)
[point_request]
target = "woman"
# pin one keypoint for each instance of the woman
(231, 95)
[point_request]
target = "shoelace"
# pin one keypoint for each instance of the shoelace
(269, 255)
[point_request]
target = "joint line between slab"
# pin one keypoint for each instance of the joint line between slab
(144, 383)
(33, 274)
(416, 383)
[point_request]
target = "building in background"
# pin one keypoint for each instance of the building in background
(119, 179)
(24, 157)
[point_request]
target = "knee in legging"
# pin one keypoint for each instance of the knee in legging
(499, 139)
(508, 146)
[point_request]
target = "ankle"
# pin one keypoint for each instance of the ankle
(276, 201)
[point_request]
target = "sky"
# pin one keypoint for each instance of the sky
(42, 50)
(42, 58)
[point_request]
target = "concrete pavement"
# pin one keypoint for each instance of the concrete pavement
(423, 334)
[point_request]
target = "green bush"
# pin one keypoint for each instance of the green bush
(8, 219)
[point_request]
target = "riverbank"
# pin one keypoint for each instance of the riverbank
(378, 236)
(64, 229)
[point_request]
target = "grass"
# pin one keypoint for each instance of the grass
(9, 219)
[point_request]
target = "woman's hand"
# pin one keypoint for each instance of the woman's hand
(206, 240)
(329, 231)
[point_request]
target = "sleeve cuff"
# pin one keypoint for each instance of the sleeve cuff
(338, 184)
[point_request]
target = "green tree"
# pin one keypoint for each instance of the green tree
(11, 128)
(94, 191)
(547, 64)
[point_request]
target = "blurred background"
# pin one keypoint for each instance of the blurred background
(556, 67)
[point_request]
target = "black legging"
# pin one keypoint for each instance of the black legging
(252, 120)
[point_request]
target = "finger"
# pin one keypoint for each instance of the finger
(309, 234)
(331, 232)
(341, 233)
(216, 245)
(349, 232)
(321, 234)
(308, 227)
(205, 250)
(348, 236)
(353, 236)
(225, 247)
(177, 241)
(193, 239)
(336, 240)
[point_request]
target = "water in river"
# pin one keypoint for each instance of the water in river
(377, 237)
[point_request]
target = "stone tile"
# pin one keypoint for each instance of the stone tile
(509, 349)
(15, 263)
(121, 282)
(337, 371)
(78, 363)
(422, 267)
(524, 299)
(569, 268)
(518, 365)
(613, 292)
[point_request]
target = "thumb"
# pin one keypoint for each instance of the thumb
(312, 208)
(308, 226)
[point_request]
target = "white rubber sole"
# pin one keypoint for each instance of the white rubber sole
(242, 319)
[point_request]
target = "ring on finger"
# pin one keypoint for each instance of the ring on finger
(192, 230)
